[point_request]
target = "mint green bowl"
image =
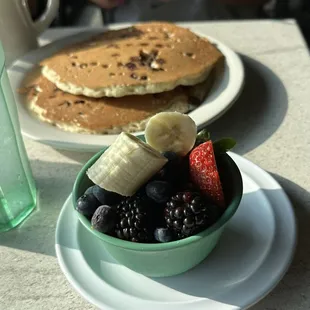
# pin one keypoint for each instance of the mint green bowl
(167, 259)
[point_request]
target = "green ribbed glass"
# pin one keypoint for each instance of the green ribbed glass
(17, 187)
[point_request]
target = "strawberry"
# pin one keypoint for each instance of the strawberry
(204, 173)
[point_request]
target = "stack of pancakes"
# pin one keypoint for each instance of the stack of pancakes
(117, 80)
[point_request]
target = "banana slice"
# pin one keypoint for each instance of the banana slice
(171, 131)
(126, 165)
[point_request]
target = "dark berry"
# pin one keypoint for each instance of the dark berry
(87, 204)
(136, 219)
(176, 171)
(171, 155)
(105, 197)
(188, 213)
(163, 235)
(89, 190)
(159, 191)
(104, 219)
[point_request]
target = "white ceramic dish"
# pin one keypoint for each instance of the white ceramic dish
(251, 258)
(222, 96)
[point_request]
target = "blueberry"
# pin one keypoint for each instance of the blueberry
(104, 219)
(163, 235)
(87, 204)
(105, 197)
(159, 191)
(89, 190)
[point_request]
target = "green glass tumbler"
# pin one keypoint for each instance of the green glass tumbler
(17, 186)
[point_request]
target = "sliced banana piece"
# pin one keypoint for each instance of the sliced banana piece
(171, 131)
(126, 165)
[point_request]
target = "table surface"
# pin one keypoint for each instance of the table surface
(270, 121)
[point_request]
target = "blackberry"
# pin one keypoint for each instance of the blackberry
(188, 213)
(135, 221)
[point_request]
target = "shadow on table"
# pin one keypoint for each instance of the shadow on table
(37, 233)
(77, 156)
(259, 110)
(296, 279)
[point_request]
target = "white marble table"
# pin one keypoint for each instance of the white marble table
(271, 122)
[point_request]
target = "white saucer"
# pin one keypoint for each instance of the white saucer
(223, 94)
(251, 258)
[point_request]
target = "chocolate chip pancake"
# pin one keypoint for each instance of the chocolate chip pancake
(143, 59)
(100, 115)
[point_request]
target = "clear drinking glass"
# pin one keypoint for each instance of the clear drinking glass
(17, 187)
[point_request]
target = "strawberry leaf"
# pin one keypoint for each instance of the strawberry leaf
(223, 145)
(202, 136)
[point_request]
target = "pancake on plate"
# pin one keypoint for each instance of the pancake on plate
(143, 59)
(117, 80)
(100, 115)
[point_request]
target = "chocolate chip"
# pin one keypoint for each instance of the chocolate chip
(144, 44)
(159, 45)
(112, 74)
(115, 55)
(158, 69)
(105, 66)
(81, 113)
(67, 103)
(134, 58)
(73, 64)
(188, 54)
(154, 53)
(120, 64)
(148, 58)
(93, 63)
(143, 77)
(79, 101)
(133, 76)
(161, 61)
(131, 66)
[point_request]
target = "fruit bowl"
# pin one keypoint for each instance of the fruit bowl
(171, 258)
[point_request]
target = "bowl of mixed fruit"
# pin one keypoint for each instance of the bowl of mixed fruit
(159, 206)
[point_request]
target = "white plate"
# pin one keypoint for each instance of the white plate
(223, 94)
(251, 258)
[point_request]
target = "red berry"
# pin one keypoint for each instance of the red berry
(204, 173)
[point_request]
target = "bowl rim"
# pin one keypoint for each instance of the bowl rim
(229, 212)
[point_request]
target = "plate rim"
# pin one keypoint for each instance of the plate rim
(268, 288)
(76, 141)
